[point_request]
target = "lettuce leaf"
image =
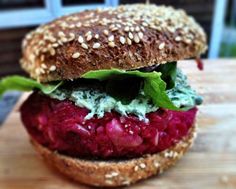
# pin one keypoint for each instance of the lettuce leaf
(122, 85)
(20, 83)
(169, 72)
(154, 86)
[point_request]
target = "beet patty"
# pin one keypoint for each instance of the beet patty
(61, 126)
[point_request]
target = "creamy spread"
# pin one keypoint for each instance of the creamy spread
(99, 102)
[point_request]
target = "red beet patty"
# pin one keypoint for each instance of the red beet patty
(61, 126)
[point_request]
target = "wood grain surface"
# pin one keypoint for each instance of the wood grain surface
(211, 163)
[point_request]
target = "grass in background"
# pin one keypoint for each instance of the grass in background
(228, 50)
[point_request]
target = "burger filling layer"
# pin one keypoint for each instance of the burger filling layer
(92, 97)
(113, 113)
(62, 126)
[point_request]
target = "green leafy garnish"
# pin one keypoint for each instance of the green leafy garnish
(168, 73)
(121, 85)
(154, 86)
(25, 84)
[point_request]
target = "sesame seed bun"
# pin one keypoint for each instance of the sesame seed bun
(126, 37)
(118, 172)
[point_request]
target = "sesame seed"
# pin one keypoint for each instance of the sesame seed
(132, 29)
(52, 51)
(112, 26)
(74, 18)
(88, 33)
(96, 36)
(64, 25)
(137, 29)
(126, 28)
(131, 36)
(142, 28)
(129, 41)
(108, 176)
(87, 24)
(136, 38)
(171, 30)
(60, 42)
(145, 24)
(44, 50)
(178, 38)
(110, 182)
(55, 45)
(78, 24)
(72, 36)
(140, 34)
(37, 71)
(42, 57)
(156, 164)
(188, 41)
(111, 38)
(166, 154)
(142, 165)
(76, 55)
(111, 175)
(42, 70)
(96, 45)
(129, 23)
(114, 174)
(114, 29)
(52, 39)
(106, 32)
(126, 182)
(72, 26)
(111, 44)
(64, 39)
(28, 36)
(84, 45)
(43, 66)
(122, 40)
(175, 154)
(161, 46)
(136, 168)
(81, 39)
(89, 37)
(153, 26)
(52, 68)
(61, 34)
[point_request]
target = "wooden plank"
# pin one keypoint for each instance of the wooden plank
(211, 163)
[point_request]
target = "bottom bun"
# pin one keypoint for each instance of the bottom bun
(114, 173)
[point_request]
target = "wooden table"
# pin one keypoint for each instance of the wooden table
(211, 163)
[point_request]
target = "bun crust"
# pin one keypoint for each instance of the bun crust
(126, 37)
(118, 172)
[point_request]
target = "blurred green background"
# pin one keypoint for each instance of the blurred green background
(228, 43)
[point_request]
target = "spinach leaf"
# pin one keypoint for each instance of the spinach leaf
(169, 73)
(154, 86)
(25, 84)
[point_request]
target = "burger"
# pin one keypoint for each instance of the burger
(109, 106)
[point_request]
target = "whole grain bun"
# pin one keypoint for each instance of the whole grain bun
(125, 37)
(118, 172)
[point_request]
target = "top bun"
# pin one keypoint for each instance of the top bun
(126, 37)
